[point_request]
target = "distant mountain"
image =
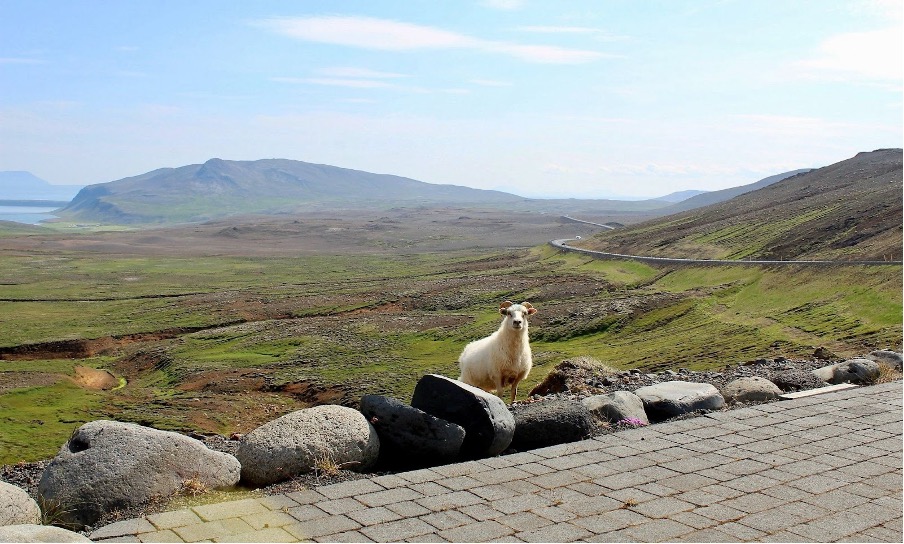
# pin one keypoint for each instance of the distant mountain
(849, 210)
(680, 196)
(712, 197)
(18, 185)
(220, 188)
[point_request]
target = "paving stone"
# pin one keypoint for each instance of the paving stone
(494, 492)
(349, 489)
(426, 489)
(658, 530)
(456, 499)
(212, 529)
(322, 527)
(481, 512)
(125, 527)
(817, 484)
(505, 474)
(719, 512)
(751, 483)
(408, 509)
(536, 469)
(448, 519)
(389, 496)
(662, 507)
(560, 532)
(709, 535)
(340, 506)
(345, 536)
(480, 531)
(419, 476)
(165, 535)
(742, 531)
(233, 509)
(525, 521)
(688, 482)
(306, 512)
(590, 506)
(268, 519)
(176, 518)
(554, 513)
(306, 496)
(274, 534)
(277, 502)
(372, 516)
(557, 479)
(610, 521)
(521, 503)
(751, 503)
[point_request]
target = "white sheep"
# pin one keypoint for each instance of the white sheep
(503, 358)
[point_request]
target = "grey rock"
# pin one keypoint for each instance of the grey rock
(664, 400)
(796, 380)
(550, 422)
(39, 533)
(616, 406)
(488, 424)
(108, 465)
(825, 373)
(750, 389)
(16, 507)
(297, 442)
(409, 437)
(891, 358)
(856, 371)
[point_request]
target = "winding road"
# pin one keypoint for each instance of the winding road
(562, 244)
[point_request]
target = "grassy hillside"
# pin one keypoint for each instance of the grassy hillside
(224, 343)
(851, 210)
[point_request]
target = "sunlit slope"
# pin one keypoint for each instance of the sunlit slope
(850, 210)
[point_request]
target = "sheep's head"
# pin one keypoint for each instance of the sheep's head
(516, 314)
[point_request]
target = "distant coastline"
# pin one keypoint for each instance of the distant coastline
(34, 203)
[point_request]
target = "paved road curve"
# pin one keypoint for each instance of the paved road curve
(563, 245)
(823, 468)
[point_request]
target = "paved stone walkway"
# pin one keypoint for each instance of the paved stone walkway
(823, 468)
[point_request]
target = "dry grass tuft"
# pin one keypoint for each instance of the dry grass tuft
(888, 373)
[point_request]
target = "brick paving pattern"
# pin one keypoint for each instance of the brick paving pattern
(823, 468)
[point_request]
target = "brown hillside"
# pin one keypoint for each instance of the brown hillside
(851, 210)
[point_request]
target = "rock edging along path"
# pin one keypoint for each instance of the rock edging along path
(821, 468)
(561, 244)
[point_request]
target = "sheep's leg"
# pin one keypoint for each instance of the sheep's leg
(514, 392)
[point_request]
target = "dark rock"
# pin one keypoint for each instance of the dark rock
(796, 380)
(824, 354)
(409, 437)
(488, 424)
(571, 375)
(891, 358)
(550, 422)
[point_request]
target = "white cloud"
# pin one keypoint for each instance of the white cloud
(387, 35)
(875, 56)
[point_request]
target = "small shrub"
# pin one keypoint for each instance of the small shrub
(192, 487)
(887, 373)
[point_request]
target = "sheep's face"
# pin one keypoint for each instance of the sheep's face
(516, 314)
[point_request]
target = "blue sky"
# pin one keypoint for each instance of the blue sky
(595, 98)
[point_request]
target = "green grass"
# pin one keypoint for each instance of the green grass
(704, 318)
(36, 421)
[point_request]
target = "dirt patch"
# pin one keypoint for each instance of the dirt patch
(93, 378)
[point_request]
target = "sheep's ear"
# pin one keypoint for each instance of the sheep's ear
(505, 304)
(530, 309)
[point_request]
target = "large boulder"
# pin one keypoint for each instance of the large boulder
(857, 370)
(108, 465)
(665, 400)
(299, 442)
(488, 424)
(825, 373)
(39, 533)
(409, 437)
(617, 406)
(16, 507)
(796, 380)
(550, 422)
(750, 389)
(891, 358)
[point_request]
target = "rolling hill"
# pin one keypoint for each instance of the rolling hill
(851, 210)
(220, 188)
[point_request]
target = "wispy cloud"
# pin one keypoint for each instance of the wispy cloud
(388, 35)
(872, 55)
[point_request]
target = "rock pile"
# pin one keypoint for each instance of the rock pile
(108, 465)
